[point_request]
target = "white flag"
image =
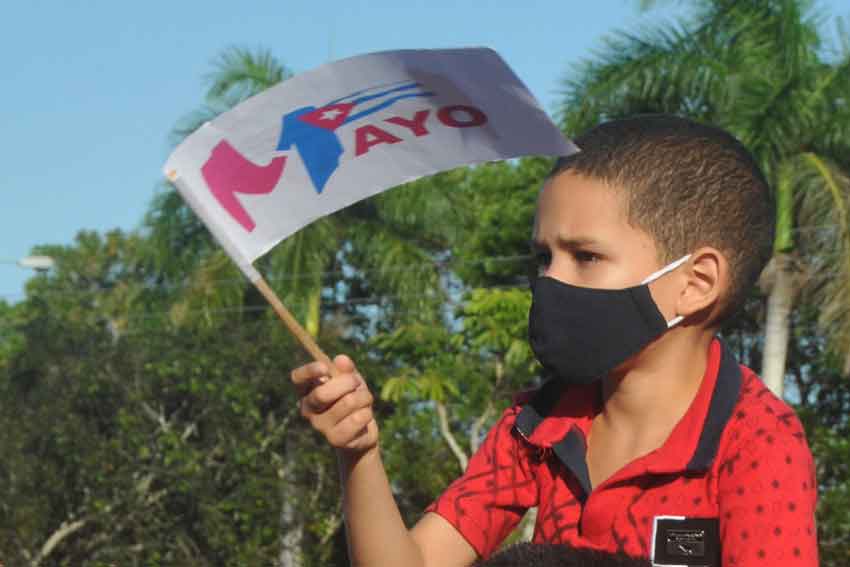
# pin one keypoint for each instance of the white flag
(328, 138)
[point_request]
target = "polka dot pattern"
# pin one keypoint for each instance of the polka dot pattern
(772, 500)
(760, 486)
(490, 499)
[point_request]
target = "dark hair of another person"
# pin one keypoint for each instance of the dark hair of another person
(687, 185)
(554, 555)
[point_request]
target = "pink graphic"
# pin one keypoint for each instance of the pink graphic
(227, 172)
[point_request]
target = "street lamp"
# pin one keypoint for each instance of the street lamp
(37, 263)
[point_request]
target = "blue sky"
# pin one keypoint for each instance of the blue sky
(92, 88)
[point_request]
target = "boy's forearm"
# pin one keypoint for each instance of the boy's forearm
(377, 536)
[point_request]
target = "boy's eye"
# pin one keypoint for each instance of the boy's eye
(585, 257)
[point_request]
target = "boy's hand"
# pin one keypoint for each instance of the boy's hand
(339, 408)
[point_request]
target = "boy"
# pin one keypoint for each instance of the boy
(554, 555)
(648, 439)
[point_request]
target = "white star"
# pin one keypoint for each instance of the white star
(330, 114)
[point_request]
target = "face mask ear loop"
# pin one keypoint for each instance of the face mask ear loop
(665, 270)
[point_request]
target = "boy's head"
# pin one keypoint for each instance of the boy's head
(553, 555)
(679, 185)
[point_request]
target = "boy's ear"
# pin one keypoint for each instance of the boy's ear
(707, 281)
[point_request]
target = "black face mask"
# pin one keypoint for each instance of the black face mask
(580, 334)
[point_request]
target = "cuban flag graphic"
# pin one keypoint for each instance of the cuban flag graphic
(312, 131)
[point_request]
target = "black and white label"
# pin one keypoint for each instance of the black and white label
(678, 541)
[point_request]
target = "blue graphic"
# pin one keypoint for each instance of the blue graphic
(312, 130)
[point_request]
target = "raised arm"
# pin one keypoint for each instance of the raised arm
(341, 410)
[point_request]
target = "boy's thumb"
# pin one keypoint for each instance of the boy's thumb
(343, 363)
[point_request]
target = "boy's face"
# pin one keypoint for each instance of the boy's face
(582, 237)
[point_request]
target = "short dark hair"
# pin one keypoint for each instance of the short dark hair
(555, 555)
(687, 185)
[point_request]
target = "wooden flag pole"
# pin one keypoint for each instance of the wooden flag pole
(294, 326)
(254, 276)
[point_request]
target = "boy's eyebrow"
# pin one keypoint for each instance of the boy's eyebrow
(564, 242)
(576, 241)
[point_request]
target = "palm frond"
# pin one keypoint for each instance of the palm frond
(688, 68)
(426, 210)
(213, 294)
(397, 267)
(831, 100)
(781, 116)
(192, 121)
(794, 24)
(297, 267)
(773, 118)
(646, 5)
(178, 239)
(824, 234)
(240, 73)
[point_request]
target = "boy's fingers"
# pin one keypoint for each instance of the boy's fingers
(338, 408)
(344, 363)
(325, 395)
(309, 372)
(358, 399)
(366, 437)
(350, 428)
(339, 411)
(307, 377)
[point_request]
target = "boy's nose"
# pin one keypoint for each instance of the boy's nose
(555, 274)
(559, 269)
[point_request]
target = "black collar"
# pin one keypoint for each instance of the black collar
(727, 389)
(571, 450)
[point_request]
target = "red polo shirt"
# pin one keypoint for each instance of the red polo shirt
(736, 468)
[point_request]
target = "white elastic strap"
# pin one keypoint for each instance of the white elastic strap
(665, 270)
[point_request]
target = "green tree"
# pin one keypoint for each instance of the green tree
(462, 371)
(467, 365)
(758, 69)
(136, 442)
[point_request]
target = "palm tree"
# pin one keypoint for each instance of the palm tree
(757, 68)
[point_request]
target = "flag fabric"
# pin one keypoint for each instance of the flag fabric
(330, 137)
